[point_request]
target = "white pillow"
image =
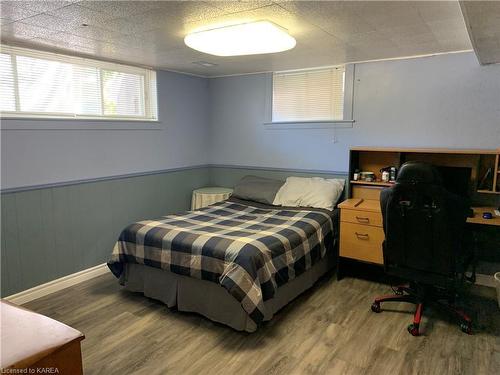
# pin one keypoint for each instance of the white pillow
(310, 192)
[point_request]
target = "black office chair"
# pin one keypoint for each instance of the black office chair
(424, 227)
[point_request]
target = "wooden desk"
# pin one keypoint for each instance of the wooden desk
(478, 216)
(34, 341)
(373, 205)
(361, 232)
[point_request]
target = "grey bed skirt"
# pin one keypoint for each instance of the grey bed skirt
(210, 299)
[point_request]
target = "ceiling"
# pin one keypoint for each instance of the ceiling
(151, 32)
(483, 23)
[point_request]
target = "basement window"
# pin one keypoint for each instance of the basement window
(38, 84)
(302, 96)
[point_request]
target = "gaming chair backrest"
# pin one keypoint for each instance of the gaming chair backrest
(422, 222)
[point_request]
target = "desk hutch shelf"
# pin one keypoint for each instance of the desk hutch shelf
(484, 165)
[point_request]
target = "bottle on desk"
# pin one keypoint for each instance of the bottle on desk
(392, 174)
(355, 177)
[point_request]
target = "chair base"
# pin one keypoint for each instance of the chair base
(422, 296)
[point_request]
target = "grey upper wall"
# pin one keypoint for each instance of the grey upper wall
(441, 101)
(36, 157)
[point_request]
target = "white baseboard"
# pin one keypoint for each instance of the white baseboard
(58, 284)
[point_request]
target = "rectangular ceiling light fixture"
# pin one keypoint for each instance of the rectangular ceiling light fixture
(251, 38)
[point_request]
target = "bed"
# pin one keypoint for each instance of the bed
(236, 262)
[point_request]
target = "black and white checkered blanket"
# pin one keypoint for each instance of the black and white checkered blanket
(249, 250)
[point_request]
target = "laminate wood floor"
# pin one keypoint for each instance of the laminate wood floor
(327, 330)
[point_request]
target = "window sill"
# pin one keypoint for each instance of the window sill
(17, 123)
(281, 125)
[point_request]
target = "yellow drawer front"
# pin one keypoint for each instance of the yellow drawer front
(361, 242)
(361, 217)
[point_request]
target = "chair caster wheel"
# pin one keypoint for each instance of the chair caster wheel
(466, 328)
(376, 307)
(413, 329)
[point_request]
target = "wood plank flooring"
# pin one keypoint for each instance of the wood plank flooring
(327, 330)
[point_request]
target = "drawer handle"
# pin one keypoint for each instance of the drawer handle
(362, 219)
(362, 236)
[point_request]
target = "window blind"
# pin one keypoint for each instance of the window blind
(7, 93)
(38, 84)
(123, 94)
(312, 95)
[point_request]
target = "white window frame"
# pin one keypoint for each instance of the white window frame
(149, 76)
(346, 122)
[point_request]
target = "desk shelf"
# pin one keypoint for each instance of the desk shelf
(484, 166)
(488, 192)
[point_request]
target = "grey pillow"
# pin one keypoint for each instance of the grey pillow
(257, 189)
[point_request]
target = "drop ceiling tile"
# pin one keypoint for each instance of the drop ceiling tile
(448, 32)
(69, 39)
(95, 33)
(145, 22)
(238, 6)
(5, 21)
(124, 26)
(439, 10)
(47, 21)
(189, 11)
(40, 6)
(412, 35)
(19, 30)
(337, 18)
(419, 49)
(182, 54)
(10, 10)
(60, 46)
(168, 16)
(369, 44)
(104, 49)
(168, 37)
(119, 9)
(76, 15)
(388, 14)
(135, 42)
(453, 45)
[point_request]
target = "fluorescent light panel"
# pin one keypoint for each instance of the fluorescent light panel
(244, 39)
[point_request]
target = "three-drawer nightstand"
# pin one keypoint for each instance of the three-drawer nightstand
(361, 231)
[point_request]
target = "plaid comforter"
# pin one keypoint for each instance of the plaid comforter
(249, 250)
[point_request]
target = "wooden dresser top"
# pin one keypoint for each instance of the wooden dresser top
(27, 337)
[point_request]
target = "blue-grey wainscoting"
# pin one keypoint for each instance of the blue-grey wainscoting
(51, 232)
